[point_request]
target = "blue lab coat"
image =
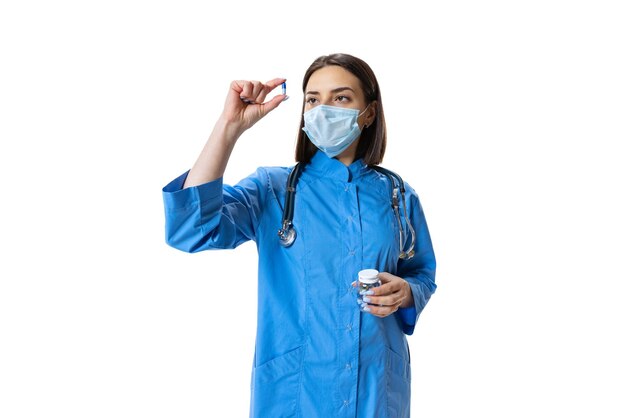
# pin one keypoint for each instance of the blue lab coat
(316, 354)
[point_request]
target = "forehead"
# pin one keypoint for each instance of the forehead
(330, 77)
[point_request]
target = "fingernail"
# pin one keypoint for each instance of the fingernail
(285, 99)
(369, 293)
(366, 309)
(366, 299)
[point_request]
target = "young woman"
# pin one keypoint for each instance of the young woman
(317, 353)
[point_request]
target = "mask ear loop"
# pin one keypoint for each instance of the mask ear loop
(359, 115)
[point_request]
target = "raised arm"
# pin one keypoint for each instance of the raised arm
(245, 105)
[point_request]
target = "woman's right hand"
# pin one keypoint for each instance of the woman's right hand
(244, 107)
(245, 104)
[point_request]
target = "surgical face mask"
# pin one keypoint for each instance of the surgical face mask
(332, 129)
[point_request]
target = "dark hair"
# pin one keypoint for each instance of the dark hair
(373, 138)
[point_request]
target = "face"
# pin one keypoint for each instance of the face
(335, 86)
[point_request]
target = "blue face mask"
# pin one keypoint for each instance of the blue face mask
(332, 129)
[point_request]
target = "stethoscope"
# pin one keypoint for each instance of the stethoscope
(287, 234)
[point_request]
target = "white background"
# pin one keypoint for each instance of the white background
(506, 117)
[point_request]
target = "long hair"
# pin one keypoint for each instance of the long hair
(373, 138)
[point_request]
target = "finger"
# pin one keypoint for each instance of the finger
(245, 87)
(256, 94)
(258, 90)
(268, 87)
(246, 90)
(235, 92)
(381, 311)
(387, 277)
(389, 300)
(391, 284)
(385, 289)
(272, 84)
(242, 87)
(237, 86)
(274, 103)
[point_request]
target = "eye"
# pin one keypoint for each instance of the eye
(342, 99)
(311, 100)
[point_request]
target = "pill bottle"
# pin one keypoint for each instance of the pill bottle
(367, 279)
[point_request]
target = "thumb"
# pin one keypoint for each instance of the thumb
(385, 277)
(274, 103)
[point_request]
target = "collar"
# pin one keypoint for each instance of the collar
(323, 166)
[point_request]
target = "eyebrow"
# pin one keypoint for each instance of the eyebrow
(337, 90)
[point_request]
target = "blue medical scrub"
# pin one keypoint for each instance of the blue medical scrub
(316, 354)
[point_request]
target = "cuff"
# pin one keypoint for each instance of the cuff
(408, 316)
(176, 197)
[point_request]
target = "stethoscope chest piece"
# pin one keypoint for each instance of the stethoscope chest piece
(286, 235)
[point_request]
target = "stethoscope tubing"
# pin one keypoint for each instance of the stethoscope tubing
(287, 233)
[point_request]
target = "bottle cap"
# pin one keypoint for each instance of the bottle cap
(368, 276)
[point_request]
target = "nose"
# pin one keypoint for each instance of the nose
(327, 100)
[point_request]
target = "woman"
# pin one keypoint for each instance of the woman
(317, 354)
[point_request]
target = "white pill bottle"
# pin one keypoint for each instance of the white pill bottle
(368, 279)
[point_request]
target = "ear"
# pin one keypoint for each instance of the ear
(370, 116)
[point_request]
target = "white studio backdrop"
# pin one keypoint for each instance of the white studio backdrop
(506, 117)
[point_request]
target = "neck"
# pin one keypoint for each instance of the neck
(349, 155)
(346, 160)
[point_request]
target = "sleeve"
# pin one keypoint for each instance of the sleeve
(213, 215)
(419, 270)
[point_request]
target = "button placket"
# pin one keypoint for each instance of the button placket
(348, 354)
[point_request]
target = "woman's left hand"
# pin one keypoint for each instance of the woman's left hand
(394, 293)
